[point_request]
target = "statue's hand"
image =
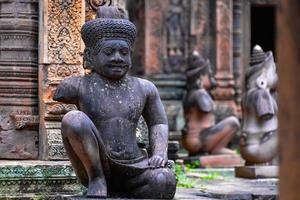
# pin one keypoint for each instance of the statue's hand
(157, 161)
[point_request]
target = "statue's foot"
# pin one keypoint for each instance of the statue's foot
(97, 188)
(224, 151)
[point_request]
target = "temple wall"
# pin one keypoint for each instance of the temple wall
(19, 116)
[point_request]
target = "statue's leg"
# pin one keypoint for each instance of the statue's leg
(82, 146)
(153, 184)
(216, 138)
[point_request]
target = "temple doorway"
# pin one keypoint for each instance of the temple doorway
(263, 27)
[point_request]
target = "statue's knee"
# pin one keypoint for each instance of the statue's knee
(73, 122)
(234, 122)
(163, 182)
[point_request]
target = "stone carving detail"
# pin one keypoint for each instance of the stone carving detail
(64, 22)
(56, 73)
(61, 54)
(96, 3)
(60, 109)
(176, 36)
(19, 79)
(26, 121)
(199, 19)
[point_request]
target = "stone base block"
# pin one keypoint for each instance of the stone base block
(254, 172)
(217, 161)
(37, 179)
(84, 198)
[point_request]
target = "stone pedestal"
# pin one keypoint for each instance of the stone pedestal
(37, 179)
(254, 172)
(217, 161)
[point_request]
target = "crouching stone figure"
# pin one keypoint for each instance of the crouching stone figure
(201, 134)
(100, 138)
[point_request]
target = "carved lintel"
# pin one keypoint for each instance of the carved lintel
(26, 121)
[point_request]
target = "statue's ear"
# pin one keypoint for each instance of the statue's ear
(88, 59)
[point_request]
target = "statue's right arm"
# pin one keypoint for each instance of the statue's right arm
(67, 90)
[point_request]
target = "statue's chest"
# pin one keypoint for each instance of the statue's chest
(108, 102)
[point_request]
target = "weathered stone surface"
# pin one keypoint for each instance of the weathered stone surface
(60, 56)
(257, 172)
(37, 178)
(18, 79)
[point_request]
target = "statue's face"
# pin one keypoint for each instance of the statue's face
(113, 60)
(208, 80)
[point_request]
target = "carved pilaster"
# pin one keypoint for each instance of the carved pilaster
(225, 92)
(60, 57)
(18, 79)
(199, 23)
(154, 11)
(238, 56)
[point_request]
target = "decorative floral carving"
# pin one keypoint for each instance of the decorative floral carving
(59, 72)
(26, 121)
(60, 109)
(64, 22)
(96, 3)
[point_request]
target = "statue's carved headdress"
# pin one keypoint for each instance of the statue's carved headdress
(259, 63)
(111, 23)
(197, 65)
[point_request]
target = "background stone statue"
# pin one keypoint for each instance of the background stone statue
(259, 129)
(100, 138)
(201, 134)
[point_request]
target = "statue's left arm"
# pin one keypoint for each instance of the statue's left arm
(156, 119)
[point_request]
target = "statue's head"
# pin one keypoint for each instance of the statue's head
(108, 42)
(199, 70)
(262, 70)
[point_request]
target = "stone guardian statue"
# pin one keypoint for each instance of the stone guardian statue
(201, 133)
(259, 129)
(100, 137)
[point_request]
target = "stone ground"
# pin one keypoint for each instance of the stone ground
(45, 180)
(223, 185)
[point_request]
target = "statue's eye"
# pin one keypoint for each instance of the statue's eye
(124, 51)
(108, 52)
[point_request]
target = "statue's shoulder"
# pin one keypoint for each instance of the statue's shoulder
(71, 81)
(67, 90)
(203, 100)
(147, 86)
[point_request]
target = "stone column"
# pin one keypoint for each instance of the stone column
(199, 25)
(60, 56)
(238, 54)
(19, 79)
(154, 11)
(224, 94)
(288, 49)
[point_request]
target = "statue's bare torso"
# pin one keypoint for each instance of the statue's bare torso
(114, 107)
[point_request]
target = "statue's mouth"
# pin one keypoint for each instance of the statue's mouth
(115, 66)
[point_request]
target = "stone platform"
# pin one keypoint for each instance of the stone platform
(255, 172)
(216, 161)
(55, 180)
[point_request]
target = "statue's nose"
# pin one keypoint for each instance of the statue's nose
(117, 58)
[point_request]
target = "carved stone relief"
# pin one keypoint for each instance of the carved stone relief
(61, 54)
(18, 79)
(176, 36)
